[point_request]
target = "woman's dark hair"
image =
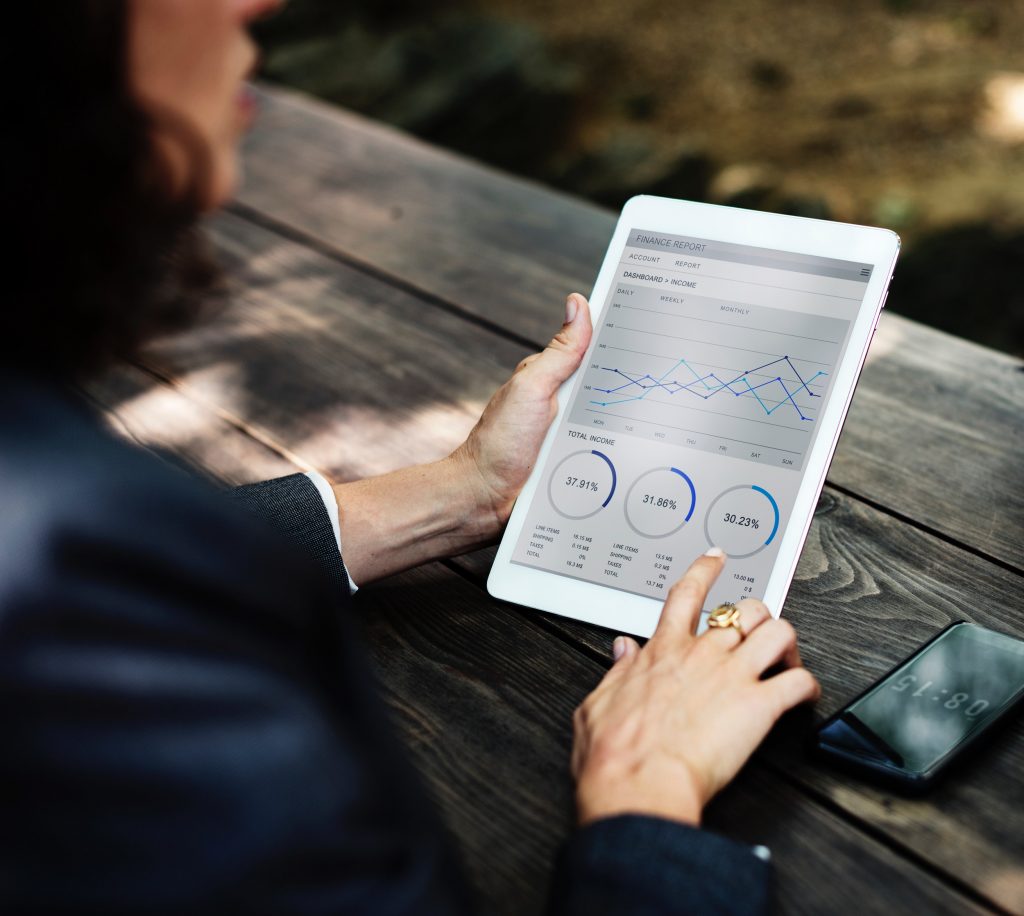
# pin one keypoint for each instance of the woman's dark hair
(102, 258)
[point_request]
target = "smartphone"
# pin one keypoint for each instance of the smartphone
(910, 725)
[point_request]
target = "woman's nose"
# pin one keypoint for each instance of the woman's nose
(249, 10)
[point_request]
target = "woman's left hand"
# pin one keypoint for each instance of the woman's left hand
(502, 448)
(408, 517)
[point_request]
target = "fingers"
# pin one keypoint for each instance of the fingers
(686, 599)
(791, 688)
(752, 614)
(579, 743)
(562, 356)
(772, 642)
(625, 649)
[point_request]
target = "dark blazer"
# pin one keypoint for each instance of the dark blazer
(189, 726)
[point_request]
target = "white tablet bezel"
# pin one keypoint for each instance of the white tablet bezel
(629, 613)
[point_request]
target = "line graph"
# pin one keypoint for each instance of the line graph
(648, 383)
(737, 379)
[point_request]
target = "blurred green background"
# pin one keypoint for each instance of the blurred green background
(901, 113)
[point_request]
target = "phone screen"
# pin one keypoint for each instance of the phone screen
(692, 418)
(934, 702)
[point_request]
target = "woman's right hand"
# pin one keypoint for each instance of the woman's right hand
(671, 724)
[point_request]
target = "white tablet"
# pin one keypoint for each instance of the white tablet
(727, 344)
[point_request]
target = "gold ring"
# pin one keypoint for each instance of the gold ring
(726, 615)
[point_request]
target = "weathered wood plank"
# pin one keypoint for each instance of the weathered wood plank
(868, 590)
(484, 699)
(352, 375)
(280, 359)
(154, 415)
(496, 246)
(935, 433)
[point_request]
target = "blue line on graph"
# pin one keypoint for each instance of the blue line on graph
(674, 387)
(611, 467)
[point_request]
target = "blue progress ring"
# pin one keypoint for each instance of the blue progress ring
(775, 506)
(693, 492)
(611, 493)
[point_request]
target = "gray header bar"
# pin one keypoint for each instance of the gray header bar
(747, 254)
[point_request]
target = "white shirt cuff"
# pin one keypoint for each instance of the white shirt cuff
(331, 505)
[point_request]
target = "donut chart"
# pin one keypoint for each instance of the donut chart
(582, 484)
(742, 520)
(660, 502)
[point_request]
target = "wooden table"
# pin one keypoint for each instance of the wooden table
(384, 289)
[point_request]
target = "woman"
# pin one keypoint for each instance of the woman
(188, 724)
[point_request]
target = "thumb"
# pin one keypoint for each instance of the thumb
(563, 355)
(624, 650)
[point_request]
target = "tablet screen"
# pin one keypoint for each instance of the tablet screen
(692, 418)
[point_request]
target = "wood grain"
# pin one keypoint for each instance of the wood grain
(935, 433)
(484, 699)
(432, 219)
(343, 372)
(286, 351)
(860, 607)
(154, 415)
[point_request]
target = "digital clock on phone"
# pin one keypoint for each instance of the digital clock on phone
(956, 701)
(909, 726)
